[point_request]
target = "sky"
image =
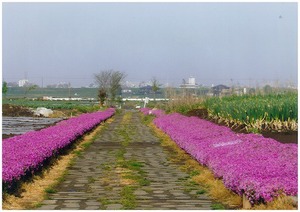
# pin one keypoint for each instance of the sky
(217, 43)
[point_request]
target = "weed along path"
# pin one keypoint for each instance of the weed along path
(126, 168)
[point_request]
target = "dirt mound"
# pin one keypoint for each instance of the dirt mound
(15, 110)
(282, 137)
(201, 113)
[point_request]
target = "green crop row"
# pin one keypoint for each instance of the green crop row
(248, 109)
(82, 106)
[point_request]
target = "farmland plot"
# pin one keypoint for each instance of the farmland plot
(19, 125)
(271, 112)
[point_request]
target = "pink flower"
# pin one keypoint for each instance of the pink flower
(247, 163)
(27, 152)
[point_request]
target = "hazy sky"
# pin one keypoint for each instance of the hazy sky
(214, 42)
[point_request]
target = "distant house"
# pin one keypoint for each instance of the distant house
(145, 90)
(190, 84)
(220, 90)
(23, 82)
(126, 91)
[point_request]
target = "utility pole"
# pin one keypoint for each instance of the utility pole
(69, 91)
(42, 86)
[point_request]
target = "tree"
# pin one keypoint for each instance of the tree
(102, 96)
(155, 86)
(4, 88)
(103, 81)
(267, 89)
(30, 88)
(115, 83)
(109, 82)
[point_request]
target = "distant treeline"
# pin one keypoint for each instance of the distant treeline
(19, 92)
(38, 92)
(22, 92)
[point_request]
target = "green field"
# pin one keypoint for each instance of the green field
(282, 107)
(49, 104)
(20, 92)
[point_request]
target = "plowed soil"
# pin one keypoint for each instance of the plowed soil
(15, 111)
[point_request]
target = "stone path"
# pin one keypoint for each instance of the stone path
(126, 168)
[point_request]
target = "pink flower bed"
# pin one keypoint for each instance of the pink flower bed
(27, 152)
(145, 110)
(155, 112)
(248, 163)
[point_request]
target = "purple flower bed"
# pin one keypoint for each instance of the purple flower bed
(248, 163)
(155, 112)
(27, 152)
(145, 110)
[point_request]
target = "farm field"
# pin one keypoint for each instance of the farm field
(67, 105)
(18, 115)
(278, 112)
(19, 125)
(20, 92)
(273, 115)
(128, 150)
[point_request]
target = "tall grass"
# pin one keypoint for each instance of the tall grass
(181, 102)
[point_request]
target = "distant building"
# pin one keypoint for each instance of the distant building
(129, 84)
(126, 91)
(220, 90)
(59, 85)
(192, 81)
(190, 84)
(63, 85)
(23, 82)
(144, 84)
(145, 90)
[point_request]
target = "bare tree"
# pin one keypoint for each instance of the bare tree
(102, 94)
(155, 86)
(29, 88)
(103, 81)
(115, 83)
(109, 82)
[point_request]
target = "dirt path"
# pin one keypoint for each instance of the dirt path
(126, 168)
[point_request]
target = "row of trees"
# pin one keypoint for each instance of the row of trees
(109, 83)
(26, 88)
